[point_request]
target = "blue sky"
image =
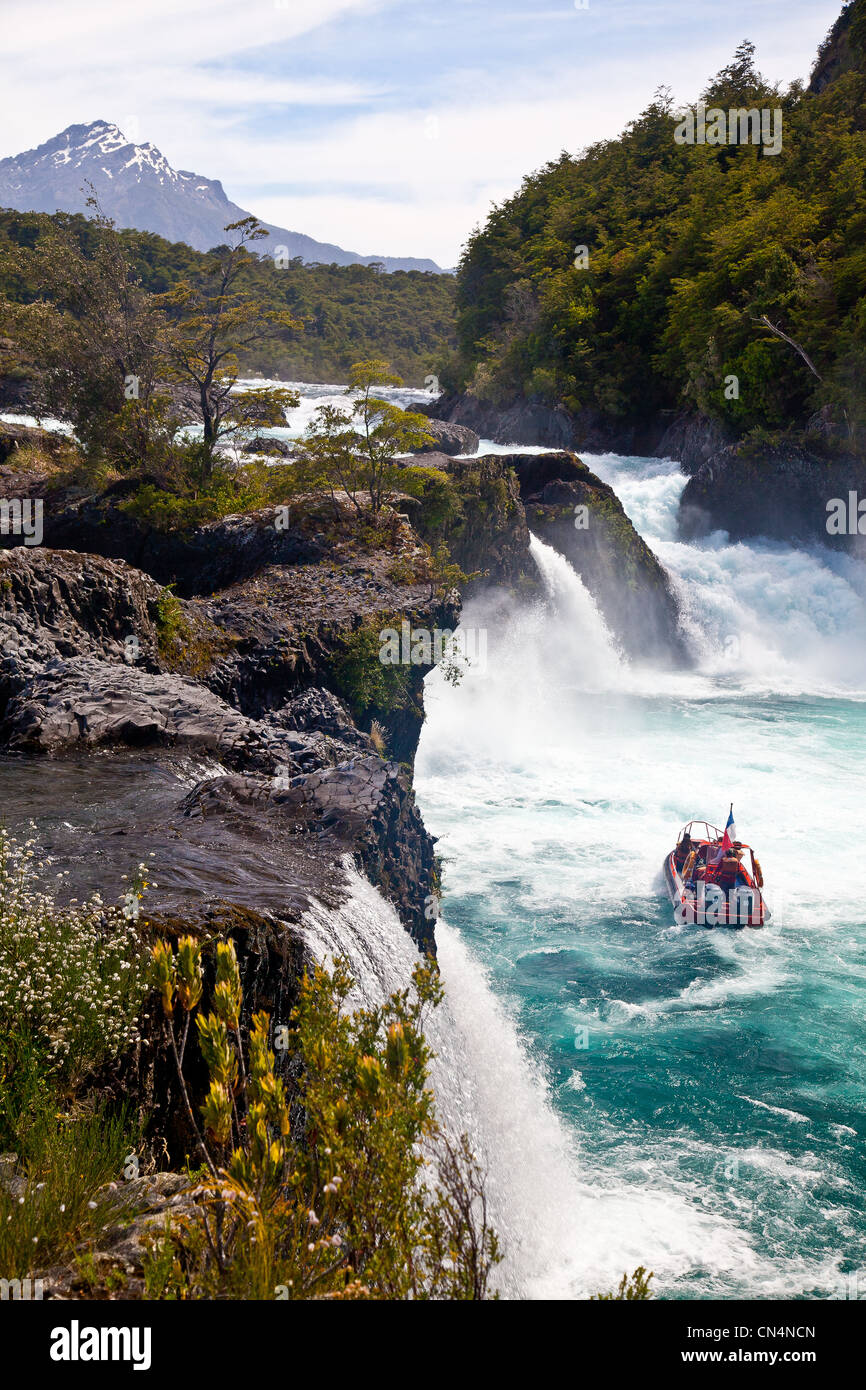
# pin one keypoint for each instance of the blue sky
(387, 126)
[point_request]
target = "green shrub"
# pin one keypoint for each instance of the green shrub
(61, 1195)
(170, 621)
(72, 981)
(190, 502)
(365, 681)
(367, 1198)
(630, 1290)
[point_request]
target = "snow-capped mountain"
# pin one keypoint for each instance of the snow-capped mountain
(137, 187)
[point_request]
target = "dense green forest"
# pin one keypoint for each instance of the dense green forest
(689, 248)
(349, 313)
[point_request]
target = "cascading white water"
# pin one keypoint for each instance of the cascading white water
(687, 1135)
(559, 1234)
(762, 616)
(302, 416)
(601, 660)
(481, 1076)
(641, 1092)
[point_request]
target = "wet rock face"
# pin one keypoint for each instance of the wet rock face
(92, 703)
(283, 629)
(530, 420)
(360, 807)
(786, 494)
(536, 471)
(487, 535)
(693, 440)
(341, 793)
(524, 422)
(300, 765)
(570, 508)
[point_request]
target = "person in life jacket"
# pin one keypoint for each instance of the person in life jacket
(683, 850)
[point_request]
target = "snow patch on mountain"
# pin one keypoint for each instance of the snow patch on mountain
(137, 187)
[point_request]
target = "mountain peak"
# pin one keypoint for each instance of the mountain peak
(137, 187)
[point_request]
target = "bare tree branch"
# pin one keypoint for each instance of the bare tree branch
(791, 342)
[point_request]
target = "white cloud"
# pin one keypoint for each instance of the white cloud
(66, 63)
(101, 31)
(436, 180)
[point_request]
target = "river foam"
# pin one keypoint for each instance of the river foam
(670, 1061)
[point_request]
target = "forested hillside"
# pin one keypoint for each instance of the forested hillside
(703, 263)
(349, 313)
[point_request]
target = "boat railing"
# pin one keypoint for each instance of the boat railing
(712, 831)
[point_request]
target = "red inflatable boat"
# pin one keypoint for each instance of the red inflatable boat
(713, 879)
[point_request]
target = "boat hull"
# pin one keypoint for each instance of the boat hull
(709, 906)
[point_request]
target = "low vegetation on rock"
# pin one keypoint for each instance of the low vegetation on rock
(334, 1181)
(320, 1168)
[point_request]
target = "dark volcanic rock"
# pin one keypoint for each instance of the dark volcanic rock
(450, 438)
(623, 575)
(535, 471)
(320, 711)
(286, 629)
(267, 444)
(525, 422)
(196, 562)
(94, 703)
(67, 685)
(533, 421)
(363, 807)
(693, 440)
(60, 603)
(778, 492)
(57, 605)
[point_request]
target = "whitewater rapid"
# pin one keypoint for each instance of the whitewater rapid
(686, 1099)
(639, 1092)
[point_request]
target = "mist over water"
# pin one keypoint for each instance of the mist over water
(685, 1098)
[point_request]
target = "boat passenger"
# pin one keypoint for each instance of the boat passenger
(683, 850)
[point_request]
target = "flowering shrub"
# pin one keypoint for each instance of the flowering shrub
(335, 1181)
(72, 979)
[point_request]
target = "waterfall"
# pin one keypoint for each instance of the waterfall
(555, 780)
(483, 1080)
(564, 1235)
(584, 640)
(555, 777)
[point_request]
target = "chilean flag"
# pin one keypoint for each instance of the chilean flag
(730, 834)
